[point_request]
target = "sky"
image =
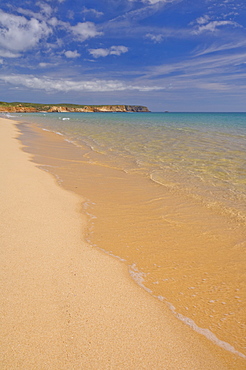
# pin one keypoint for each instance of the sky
(174, 55)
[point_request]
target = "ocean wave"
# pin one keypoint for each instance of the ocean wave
(138, 277)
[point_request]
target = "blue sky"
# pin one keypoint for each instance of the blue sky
(176, 55)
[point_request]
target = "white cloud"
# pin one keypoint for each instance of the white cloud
(82, 30)
(222, 73)
(91, 11)
(213, 86)
(63, 85)
(152, 2)
(204, 65)
(97, 53)
(155, 1)
(203, 20)
(155, 38)
(212, 26)
(118, 50)
(85, 30)
(205, 23)
(30, 13)
(45, 8)
(220, 47)
(44, 65)
(19, 34)
(53, 22)
(113, 50)
(45, 11)
(9, 54)
(71, 54)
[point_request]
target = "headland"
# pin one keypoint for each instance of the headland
(17, 107)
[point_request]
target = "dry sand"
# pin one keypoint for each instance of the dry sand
(65, 305)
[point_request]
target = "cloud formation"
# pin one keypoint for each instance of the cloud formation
(71, 54)
(85, 30)
(113, 50)
(205, 24)
(155, 38)
(204, 73)
(19, 34)
(9, 54)
(221, 47)
(45, 8)
(45, 65)
(152, 2)
(63, 85)
(205, 65)
(91, 11)
(212, 26)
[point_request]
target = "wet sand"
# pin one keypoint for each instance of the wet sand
(66, 305)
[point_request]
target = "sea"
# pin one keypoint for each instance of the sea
(166, 194)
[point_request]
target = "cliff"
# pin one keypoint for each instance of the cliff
(32, 108)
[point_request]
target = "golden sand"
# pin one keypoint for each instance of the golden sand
(65, 305)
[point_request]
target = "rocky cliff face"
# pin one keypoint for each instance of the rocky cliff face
(22, 108)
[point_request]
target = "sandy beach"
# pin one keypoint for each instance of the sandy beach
(65, 305)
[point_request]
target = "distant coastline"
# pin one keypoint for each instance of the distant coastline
(18, 107)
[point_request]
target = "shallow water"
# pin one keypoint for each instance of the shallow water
(165, 193)
(203, 154)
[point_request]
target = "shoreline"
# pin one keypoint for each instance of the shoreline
(118, 214)
(67, 305)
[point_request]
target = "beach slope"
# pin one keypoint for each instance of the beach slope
(65, 305)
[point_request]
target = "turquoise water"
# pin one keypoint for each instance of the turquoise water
(201, 154)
